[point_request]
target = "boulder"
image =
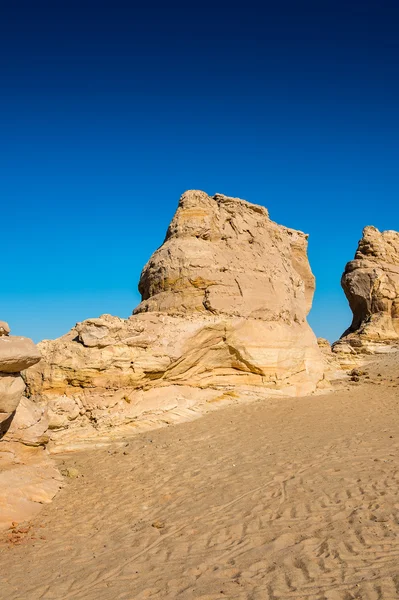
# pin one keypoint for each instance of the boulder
(4, 328)
(12, 387)
(17, 353)
(223, 310)
(29, 425)
(371, 285)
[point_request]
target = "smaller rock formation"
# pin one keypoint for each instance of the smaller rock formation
(371, 285)
(28, 478)
(16, 354)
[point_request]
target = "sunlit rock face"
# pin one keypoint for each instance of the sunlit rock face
(371, 285)
(223, 315)
(28, 477)
(225, 256)
(16, 354)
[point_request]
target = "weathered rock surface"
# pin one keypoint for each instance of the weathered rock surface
(29, 425)
(4, 328)
(371, 285)
(223, 311)
(28, 477)
(335, 370)
(225, 256)
(17, 353)
(12, 387)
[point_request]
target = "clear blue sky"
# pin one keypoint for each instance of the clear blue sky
(109, 111)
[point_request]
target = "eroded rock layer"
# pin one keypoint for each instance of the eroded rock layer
(28, 477)
(371, 285)
(223, 314)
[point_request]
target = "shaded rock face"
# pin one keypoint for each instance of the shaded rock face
(371, 285)
(223, 310)
(28, 477)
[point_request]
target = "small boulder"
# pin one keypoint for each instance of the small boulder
(12, 387)
(70, 472)
(4, 328)
(17, 353)
(29, 425)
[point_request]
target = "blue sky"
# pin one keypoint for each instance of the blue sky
(110, 111)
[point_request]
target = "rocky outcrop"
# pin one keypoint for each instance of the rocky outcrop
(222, 316)
(16, 354)
(28, 478)
(371, 285)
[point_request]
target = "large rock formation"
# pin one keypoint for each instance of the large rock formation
(371, 285)
(223, 315)
(28, 477)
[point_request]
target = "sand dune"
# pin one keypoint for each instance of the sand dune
(278, 499)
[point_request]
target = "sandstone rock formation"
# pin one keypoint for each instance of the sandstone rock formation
(335, 368)
(16, 354)
(28, 478)
(223, 315)
(371, 285)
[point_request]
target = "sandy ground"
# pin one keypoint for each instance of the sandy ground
(278, 499)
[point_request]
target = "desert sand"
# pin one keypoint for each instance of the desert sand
(275, 499)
